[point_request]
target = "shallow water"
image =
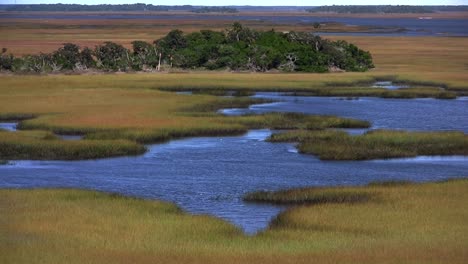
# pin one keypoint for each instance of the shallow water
(70, 137)
(388, 85)
(209, 175)
(9, 126)
(410, 114)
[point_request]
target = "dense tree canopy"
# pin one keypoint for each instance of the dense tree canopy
(238, 48)
(241, 48)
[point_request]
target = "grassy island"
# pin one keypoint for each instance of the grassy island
(378, 144)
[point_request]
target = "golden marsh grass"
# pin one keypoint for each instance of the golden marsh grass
(411, 223)
(109, 107)
(378, 144)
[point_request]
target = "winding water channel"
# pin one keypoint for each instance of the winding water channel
(210, 175)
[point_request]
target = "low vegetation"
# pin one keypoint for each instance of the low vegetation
(379, 144)
(309, 196)
(130, 107)
(117, 121)
(40, 145)
(347, 87)
(416, 223)
(402, 93)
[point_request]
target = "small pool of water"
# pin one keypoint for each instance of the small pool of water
(12, 127)
(9, 126)
(185, 92)
(70, 137)
(389, 85)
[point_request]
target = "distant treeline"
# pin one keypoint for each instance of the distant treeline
(232, 9)
(85, 8)
(215, 9)
(115, 8)
(385, 9)
(238, 48)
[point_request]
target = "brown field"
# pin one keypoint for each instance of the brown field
(27, 36)
(435, 59)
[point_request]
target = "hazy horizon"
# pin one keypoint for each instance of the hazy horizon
(245, 2)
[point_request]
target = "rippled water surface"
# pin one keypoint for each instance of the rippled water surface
(410, 114)
(210, 175)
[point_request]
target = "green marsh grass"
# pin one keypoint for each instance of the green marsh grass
(309, 196)
(42, 145)
(15, 116)
(117, 120)
(324, 195)
(353, 87)
(413, 223)
(378, 144)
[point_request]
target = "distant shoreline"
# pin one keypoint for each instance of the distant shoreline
(438, 15)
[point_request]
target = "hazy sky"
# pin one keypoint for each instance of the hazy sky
(249, 2)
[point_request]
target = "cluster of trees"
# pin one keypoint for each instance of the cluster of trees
(237, 48)
(386, 9)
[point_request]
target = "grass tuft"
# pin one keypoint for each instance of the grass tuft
(16, 116)
(391, 183)
(309, 196)
(41, 145)
(378, 144)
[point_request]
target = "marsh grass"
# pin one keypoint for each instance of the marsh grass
(124, 117)
(41, 145)
(309, 196)
(222, 103)
(324, 195)
(355, 88)
(224, 125)
(282, 121)
(16, 116)
(378, 144)
(417, 223)
(403, 93)
(390, 183)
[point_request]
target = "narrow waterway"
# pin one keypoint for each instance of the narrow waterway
(209, 175)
